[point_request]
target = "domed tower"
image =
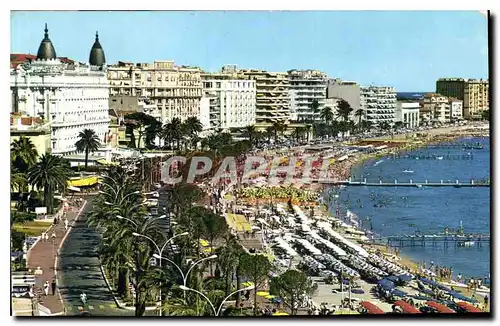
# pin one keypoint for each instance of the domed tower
(96, 57)
(46, 50)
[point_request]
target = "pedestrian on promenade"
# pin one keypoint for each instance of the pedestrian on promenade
(46, 236)
(53, 236)
(66, 224)
(486, 299)
(53, 286)
(43, 236)
(46, 288)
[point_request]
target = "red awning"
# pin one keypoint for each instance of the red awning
(467, 307)
(408, 308)
(371, 308)
(439, 307)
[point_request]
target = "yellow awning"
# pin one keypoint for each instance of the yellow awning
(204, 243)
(270, 296)
(280, 313)
(82, 182)
(262, 293)
(247, 284)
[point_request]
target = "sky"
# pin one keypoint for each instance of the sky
(408, 50)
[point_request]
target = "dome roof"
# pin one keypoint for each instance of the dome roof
(96, 57)
(46, 50)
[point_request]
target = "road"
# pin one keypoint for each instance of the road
(79, 271)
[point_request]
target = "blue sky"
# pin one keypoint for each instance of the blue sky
(405, 49)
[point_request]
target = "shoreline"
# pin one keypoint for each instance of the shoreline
(409, 144)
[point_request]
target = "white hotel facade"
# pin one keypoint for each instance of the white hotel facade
(232, 100)
(68, 97)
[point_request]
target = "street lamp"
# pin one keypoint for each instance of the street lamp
(216, 312)
(160, 251)
(185, 276)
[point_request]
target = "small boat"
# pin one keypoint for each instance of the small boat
(466, 243)
(418, 186)
(439, 158)
(407, 171)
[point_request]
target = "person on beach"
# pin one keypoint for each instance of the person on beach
(46, 288)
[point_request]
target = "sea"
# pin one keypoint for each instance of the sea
(390, 211)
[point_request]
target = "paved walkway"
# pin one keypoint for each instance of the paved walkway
(43, 255)
(79, 271)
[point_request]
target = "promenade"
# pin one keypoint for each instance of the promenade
(43, 256)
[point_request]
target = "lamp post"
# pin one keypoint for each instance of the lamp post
(185, 276)
(160, 251)
(137, 262)
(216, 311)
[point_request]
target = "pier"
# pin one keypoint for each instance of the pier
(434, 240)
(410, 183)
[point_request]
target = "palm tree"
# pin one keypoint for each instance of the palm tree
(270, 132)
(18, 180)
(278, 127)
(250, 133)
(23, 153)
(326, 115)
(191, 127)
(359, 113)
(344, 109)
(172, 132)
(50, 173)
(314, 108)
(87, 142)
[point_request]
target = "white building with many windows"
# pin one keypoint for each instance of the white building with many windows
(68, 97)
(232, 101)
(306, 87)
(379, 104)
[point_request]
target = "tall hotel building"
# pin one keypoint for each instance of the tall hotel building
(379, 104)
(174, 91)
(68, 97)
(272, 102)
(231, 99)
(473, 92)
(306, 86)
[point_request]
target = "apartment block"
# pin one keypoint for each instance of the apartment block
(306, 87)
(473, 92)
(379, 103)
(349, 91)
(436, 107)
(232, 99)
(173, 91)
(272, 101)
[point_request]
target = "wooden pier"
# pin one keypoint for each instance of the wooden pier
(477, 240)
(410, 183)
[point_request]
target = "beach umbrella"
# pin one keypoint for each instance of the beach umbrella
(386, 284)
(276, 300)
(399, 293)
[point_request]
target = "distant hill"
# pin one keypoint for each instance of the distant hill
(410, 95)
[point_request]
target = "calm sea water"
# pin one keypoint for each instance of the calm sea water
(405, 210)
